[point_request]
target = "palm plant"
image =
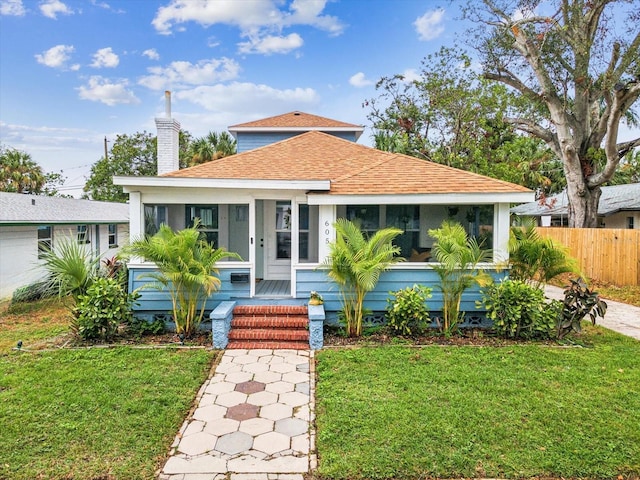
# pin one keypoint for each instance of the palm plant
(211, 147)
(186, 268)
(458, 257)
(537, 260)
(355, 263)
(71, 268)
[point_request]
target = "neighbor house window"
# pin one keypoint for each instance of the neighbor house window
(45, 239)
(83, 233)
(630, 223)
(154, 216)
(113, 235)
(208, 215)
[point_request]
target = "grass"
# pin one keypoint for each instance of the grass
(89, 413)
(512, 412)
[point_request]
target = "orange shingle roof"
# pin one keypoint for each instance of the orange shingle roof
(351, 168)
(296, 120)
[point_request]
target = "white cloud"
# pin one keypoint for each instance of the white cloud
(151, 54)
(105, 58)
(12, 7)
(248, 15)
(56, 57)
(100, 89)
(51, 8)
(272, 44)
(411, 75)
(359, 80)
(248, 99)
(180, 74)
(429, 25)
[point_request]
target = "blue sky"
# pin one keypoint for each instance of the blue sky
(73, 72)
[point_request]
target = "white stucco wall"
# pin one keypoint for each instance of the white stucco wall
(619, 220)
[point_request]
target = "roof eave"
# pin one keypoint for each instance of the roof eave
(130, 183)
(473, 198)
(357, 130)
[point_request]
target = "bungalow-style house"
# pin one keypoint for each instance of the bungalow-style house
(619, 207)
(275, 203)
(31, 224)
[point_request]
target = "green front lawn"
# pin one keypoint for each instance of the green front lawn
(90, 413)
(514, 412)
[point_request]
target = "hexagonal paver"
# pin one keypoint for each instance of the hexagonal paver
(222, 426)
(230, 399)
(209, 413)
(276, 411)
(272, 442)
(228, 368)
(295, 377)
(283, 367)
(255, 367)
(197, 443)
(194, 426)
(239, 377)
(301, 443)
(262, 398)
(233, 443)
(219, 387)
(267, 377)
(280, 387)
(245, 359)
(303, 387)
(256, 426)
(291, 427)
(243, 411)
(295, 399)
(250, 387)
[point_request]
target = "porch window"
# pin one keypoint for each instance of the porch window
(113, 235)
(367, 215)
(208, 215)
(407, 219)
(308, 233)
(83, 234)
(45, 239)
(154, 216)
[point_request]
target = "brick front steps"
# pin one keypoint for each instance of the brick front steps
(269, 326)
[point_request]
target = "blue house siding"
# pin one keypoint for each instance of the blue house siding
(390, 281)
(249, 141)
(153, 301)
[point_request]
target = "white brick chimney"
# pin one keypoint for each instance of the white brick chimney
(168, 139)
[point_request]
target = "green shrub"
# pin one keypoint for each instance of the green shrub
(101, 309)
(139, 326)
(519, 310)
(579, 301)
(407, 311)
(33, 292)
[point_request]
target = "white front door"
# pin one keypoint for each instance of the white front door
(277, 239)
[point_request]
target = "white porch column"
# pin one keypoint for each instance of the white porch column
(501, 232)
(326, 230)
(136, 216)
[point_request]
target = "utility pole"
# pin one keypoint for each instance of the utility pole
(106, 154)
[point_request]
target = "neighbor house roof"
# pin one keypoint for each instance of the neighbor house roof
(614, 199)
(351, 169)
(297, 122)
(22, 209)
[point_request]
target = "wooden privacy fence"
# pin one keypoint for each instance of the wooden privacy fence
(606, 254)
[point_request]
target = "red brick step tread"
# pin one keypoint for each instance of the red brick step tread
(269, 334)
(269, 322)
(250, 345)
(270, 309)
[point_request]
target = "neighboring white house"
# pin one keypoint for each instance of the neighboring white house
(29, 224)
(619, 207)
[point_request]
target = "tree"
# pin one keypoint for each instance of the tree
(578, 74)
(19, 173)
(458, 257)
(451, 115)
(130, 155)
(355, 263)
(211, 147)
(186, 268)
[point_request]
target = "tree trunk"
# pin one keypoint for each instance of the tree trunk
(583, 206)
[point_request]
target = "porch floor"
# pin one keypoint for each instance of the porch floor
(273, 288)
